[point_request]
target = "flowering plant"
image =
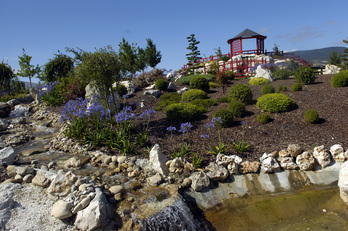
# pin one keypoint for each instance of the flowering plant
(221, 147)
(241, 146)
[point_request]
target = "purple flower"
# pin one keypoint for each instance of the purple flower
(242, 122)
(205, 136)
(216, 120)
(147, 114)
(171, 128)
(185, 127)
(209, 125)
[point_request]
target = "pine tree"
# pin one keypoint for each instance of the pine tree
(344, 59)
(193, 56)
(153, 57)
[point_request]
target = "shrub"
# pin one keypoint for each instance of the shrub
(226, 117)
(161, 84)
(199, 82)
(223, 99)
(241, 92)
(182, 112)
(186, 79)
(121, 90)
(340, 79)
(224, 58)
(237, 108)
(282, 73)
(311, 116)
(296, 87)
(168, 99)
(304, 75)
(264, 118)
(275, 102)
(148, 78)
(258, 81)
(193, 94)
(203, 103)
(282, 88)
(267, 89)
(212, 85)
(230, 75)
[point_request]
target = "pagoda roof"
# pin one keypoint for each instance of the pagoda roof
(246, 34)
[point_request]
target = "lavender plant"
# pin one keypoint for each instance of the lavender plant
(185, 146)
(221, 147)
(143, 136)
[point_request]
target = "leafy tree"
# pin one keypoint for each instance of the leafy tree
(218, 52)
(27, 69)
(57, 68)
(129, 57)
(334, 58)
(193, 56)
(6, 76)
(344, 59)
(153, 56)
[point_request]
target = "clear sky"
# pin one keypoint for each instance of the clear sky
(42, 27)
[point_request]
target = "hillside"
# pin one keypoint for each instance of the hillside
(318, 56)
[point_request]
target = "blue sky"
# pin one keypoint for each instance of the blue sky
(42, 27)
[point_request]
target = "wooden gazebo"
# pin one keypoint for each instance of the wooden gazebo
(237, 46)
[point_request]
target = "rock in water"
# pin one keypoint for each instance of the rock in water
(343, 182)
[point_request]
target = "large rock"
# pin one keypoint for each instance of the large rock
(199, 181)
(322, 156)
(217, 172)
(73, 162)
(305, 161)
(269, 164)
(249, 167)
(294, 150)
(6, 202)
(158, 160)
(5, 110)
(287, 163)
(7, 155)
(264, 73)
(343, 182)
(337, 152)
(129, 85)
(154, 93)
(98, 215)
(61, 184)
(19, 110)
(331, 69)
(61, 210)
(180, 166)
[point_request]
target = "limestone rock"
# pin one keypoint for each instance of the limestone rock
(305, 161)
(81, 205)
(331, 69)
(172, 86)
(7, 155)
(19, 110)
(182, 90)
(322, 156)
(249, 167)
(116, 189)
(129, 85)
(343, 182)
(61, 210)
(269, 164)
(73, 162)
(155, 179)
(154, 93)
(199, 181)
(134, 185)
(283, 153)
(28, 178)
(287, 163)
(6, 202)
(294, 150)
(41, 180)
(158, 160)
(61, 184)
(264, 73)
(25, 170)
(217, 172)
(337, 152)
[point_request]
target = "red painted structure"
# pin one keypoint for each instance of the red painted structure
(236, 43)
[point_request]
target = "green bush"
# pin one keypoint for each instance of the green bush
(267, 89)
(237, 108)
(264, 118)
(275, 102)
(281, 88)
(193, 94)
(9, 96)
(241, 92)
(258, 81)
(186, 79)
(168, 99)
(311, 116)
(204, 103)
(161, 84)
(223, 99)
(199, 82)
(121, 90)
(212, 85)
(182, 112)
(304, 75)
(282, 73)
(226, 117)
(230, 75)
(296, 87)
(340, 79)
(224, 58)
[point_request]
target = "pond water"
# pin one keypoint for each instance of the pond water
(310, 210)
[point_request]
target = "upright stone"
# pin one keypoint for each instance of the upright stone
(158, 160)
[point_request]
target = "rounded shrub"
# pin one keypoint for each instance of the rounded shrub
(296, 87)
(193, 94)
(258, 81)
(199, 82)
(241, 92)
(182, 112)
(275, 102)
(230, 75)
(340, 79)
(121, 90)
(311, 116)
(237, 108)
(212, 85)
(281, 88)
(304, 75)
(282, 73)
(264, 118)
(226, 117)
(161, 84)
(267, 89)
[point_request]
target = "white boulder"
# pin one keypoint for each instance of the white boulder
(7, 155)
(158, 161)
(264, 73)
(199, 181)
(331, 69)
(61, 210)
(337, 152)
(269, 164)
(322, 156)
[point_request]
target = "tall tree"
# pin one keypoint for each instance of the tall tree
(153, 57)
(141, 59)
(194, 55)
(128, 57)
(344, 59)
(27, 69)
(334, 58)
(57, 68)
(218, 52)
(6, 76)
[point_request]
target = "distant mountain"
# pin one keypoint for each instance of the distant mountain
(318, 56)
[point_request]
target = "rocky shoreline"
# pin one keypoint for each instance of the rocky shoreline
(91, 190)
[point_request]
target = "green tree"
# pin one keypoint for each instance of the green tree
(57, 68)
(334, 58)
(27, 69)
(6, 76)
(141, 59)
(276, 50)
(128, 55)
(218, 52)
(153, 57)
(194, 55)
(344, 57)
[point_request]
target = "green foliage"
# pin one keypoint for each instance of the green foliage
(222, 79)
(241, 92)
(6, 76)
(344, 57)
(241, 145)
(197, 160)
(267, 89)
(184, 150)
(276, 50)
(282, 73)
(182, 112)
(121, 90)
(9, 96)
(296, 87)
(212, 85)
(275, 102)
(226, 118)
(161, 84)
(27, 69)
(203, 103)
(58, 67)
(193, 94)
(153, 57)
(281, 88)
(168, 99)
(311, 116)
(258, 81)
(223, 99)
(264, 118)
(199, 82)
(230, 74)
(187, 79)
(193, 56)
(237, 108)
(340, 79)
(304, 75)
(224, 58)
(334, 58)
(129, 58)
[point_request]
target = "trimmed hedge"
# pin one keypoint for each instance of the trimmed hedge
(182, 112)
(241, 93)
(275, 102)
(296, 87)
(199, 82)
(193, 94)
(258, 81)
(267, 89)
(226, 117)
(264, 118)
(340, 79)
(161, 84)
(304, 75)
(237, 108)
(311, 116)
